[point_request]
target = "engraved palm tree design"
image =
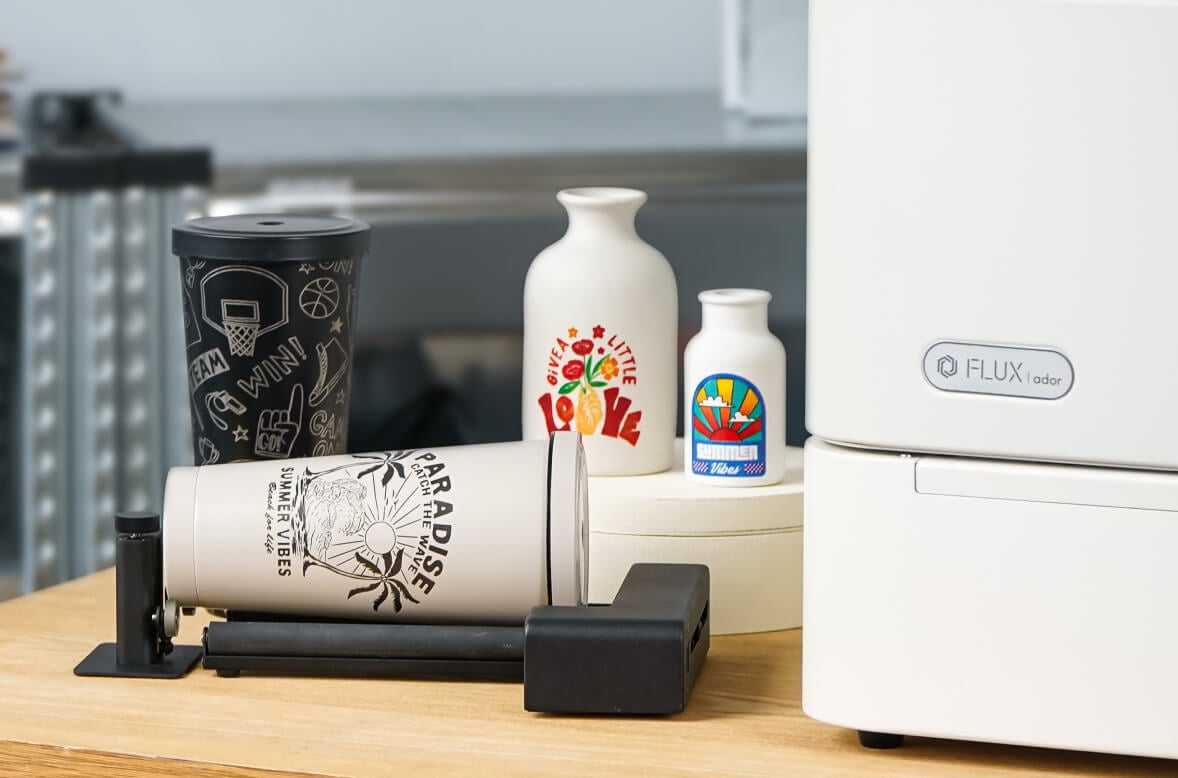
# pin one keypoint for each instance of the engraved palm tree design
(352, 519)
(388, 583)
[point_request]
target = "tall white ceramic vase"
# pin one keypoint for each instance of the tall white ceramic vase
(600, 337)
(734, 393)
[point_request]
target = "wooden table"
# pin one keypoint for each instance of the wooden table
(745, 718)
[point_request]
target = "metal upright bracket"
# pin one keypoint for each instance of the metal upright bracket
(146, 623)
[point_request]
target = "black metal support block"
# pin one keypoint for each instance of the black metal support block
(640, 655)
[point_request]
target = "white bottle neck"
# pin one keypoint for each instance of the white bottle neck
(746, 310)
(601, 211)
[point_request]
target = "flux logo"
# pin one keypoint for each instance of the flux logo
(994, 370)
(982, 369)
(1014, 371)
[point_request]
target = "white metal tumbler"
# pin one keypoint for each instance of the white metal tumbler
(468, 534)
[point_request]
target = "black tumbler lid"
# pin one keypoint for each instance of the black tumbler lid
(137, 522)
(271, 237)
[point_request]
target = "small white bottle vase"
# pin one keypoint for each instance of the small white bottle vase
(734, 393)
(601, 319)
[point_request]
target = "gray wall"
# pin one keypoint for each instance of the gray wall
(161, 49)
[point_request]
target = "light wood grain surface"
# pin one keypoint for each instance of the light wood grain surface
(745, 718)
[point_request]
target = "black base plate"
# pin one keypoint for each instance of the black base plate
(102, 662)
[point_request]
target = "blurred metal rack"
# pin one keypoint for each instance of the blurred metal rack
(101, 354)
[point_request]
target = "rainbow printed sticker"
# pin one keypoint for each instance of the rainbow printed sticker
(728, 428)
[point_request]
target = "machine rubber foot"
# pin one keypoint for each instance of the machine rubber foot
(879, 739)
(228, 673)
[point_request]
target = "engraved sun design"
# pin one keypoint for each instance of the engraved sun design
(359, 521)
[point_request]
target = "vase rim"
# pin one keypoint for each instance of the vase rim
(735, 297)
(601, 196)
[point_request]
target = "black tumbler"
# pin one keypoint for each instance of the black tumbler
(269, 319)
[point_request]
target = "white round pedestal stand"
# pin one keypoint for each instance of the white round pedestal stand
(750, 539)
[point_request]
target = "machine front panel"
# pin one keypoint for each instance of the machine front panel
(1000, 175)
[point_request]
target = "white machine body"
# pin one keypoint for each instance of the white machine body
(995, 173)
(987, 600)
(991, 494)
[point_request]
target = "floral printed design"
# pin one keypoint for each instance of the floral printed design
(586, 375)
(608, 367)
(573, 370)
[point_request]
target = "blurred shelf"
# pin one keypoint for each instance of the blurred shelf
(394, 159)
(493, 151)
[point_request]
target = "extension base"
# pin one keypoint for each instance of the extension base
(102, 662)
(230, 666)
(643, 652)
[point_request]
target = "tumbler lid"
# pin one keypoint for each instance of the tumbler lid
(568, 520)
(271, 237)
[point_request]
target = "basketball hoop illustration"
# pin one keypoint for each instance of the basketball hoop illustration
(240, 322)
(242, 303)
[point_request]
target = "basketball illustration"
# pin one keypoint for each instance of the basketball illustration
(319, 298)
